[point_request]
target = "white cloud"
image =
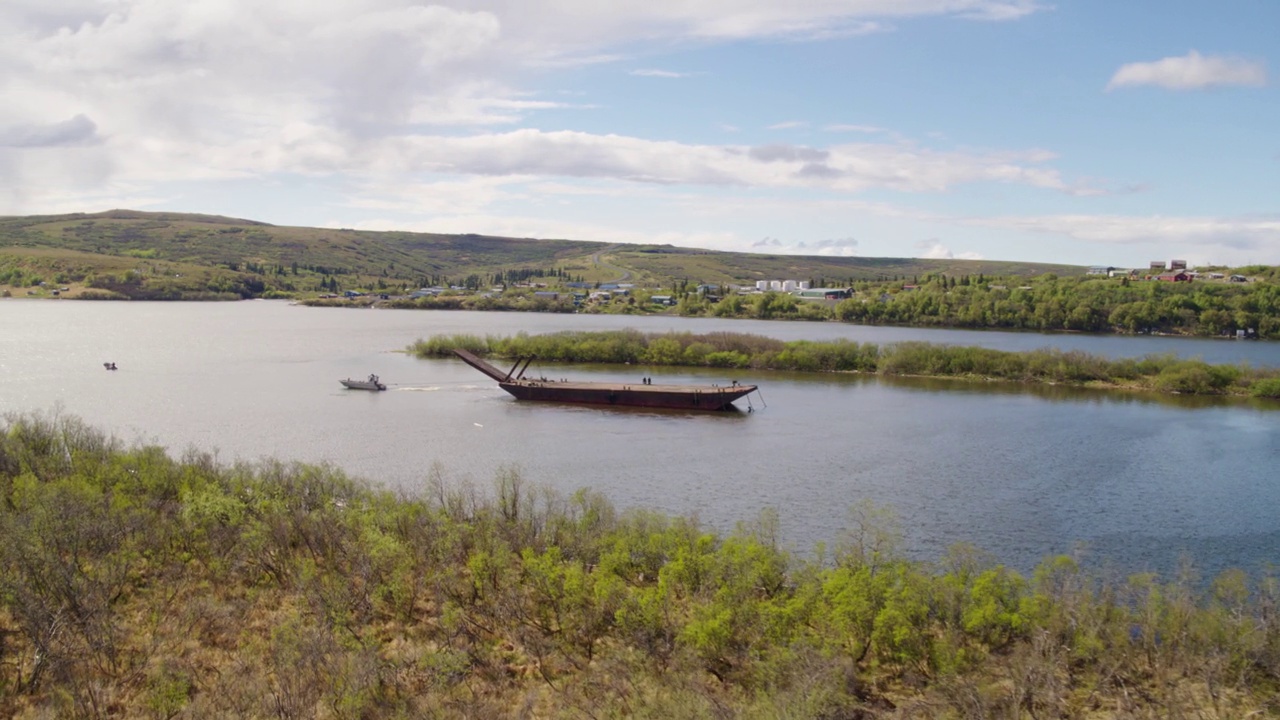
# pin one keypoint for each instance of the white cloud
(137, 92)
(1192, 71)
(79, 130)
(659, 73)
(538, 227)
(842, 168)
(1197, 238)
(788, 125)
(866, 27)
(934, 250)
(1233, 232)
(447, 197)
(480, 106)
(834, 247)
(569, 26)
(869, 129)
(473, 206)
(301, 148)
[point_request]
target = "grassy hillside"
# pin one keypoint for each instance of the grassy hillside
(286, 259)
(665, 261)
(124, 253)
(212, 240)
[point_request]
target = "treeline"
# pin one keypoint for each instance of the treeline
(511, 276)
(19, 272)
(506, 277)
(134, 585)
(258, 268)
(1163, 373)
(25, 277)
(1046, 303)
(511, 301)
(134, 285)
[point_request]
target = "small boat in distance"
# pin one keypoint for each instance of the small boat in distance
(642, 394)
(109, 365)
(371, 384)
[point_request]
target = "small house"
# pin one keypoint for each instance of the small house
(1174, 277)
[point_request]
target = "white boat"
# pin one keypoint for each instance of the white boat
(371, 384)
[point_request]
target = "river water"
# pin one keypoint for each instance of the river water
(1131, 482)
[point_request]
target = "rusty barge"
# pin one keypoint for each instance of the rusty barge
(641, 394)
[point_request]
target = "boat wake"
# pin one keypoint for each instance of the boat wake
(437, 388)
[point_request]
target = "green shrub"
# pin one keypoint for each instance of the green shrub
(1268, 388)
(1193, 378)
(179, 588)
(729, 359)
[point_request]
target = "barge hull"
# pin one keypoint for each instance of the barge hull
(645, 395)
(675, 397)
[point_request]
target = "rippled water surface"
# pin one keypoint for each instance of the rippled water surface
(1021, 473)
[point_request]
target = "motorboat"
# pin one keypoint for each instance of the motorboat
(373, 383)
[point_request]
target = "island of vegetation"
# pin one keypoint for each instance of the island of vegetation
(138, 585)
(171, 256)
(1160, 373)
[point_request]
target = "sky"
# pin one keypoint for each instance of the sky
(1088, 132)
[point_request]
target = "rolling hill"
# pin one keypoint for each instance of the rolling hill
(124, 253)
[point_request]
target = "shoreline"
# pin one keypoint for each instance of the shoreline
(736, 352)
(86, 295)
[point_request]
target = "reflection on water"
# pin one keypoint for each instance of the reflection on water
(1022, 471)
(1062, 393)
(1068, 393)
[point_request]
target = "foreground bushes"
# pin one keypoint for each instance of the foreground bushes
(1165, 373)
(136, 585)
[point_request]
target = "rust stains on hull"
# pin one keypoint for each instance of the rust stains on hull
(681, 397)
(677, 397)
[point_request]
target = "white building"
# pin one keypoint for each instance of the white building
(782, 285)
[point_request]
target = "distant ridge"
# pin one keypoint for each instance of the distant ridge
(121, 237)
(120, 214)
